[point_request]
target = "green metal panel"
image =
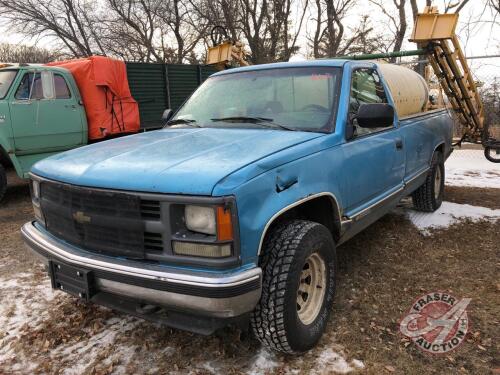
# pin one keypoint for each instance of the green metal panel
(148, 86)
(207, 71)
(183, 80)
(159, 86)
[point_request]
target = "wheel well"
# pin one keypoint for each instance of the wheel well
(440, 148)
(323, 210)
(4, 158)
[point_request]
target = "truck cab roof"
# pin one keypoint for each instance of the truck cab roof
(295, 64)
(39, 67)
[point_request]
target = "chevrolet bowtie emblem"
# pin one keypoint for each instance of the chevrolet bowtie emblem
(81, 218)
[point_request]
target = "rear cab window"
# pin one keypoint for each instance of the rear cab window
(61, 87)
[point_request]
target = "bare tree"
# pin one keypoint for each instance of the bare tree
(131, 26)
(265, 26)
(454, 5)
(137, 30)
(186, 28)
(362, 39)
(495, 5)
(414, 7)
(225, 13)
(329, 37)
(397, 19)
(72, 22)
(27, 54)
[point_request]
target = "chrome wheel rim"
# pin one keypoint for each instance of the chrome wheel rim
(312, 288)
(437, 183)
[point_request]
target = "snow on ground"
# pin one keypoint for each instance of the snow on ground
(23, 304)
(263, 362)
(329, 361)
(448, 214)
(471, 168)
(26, 303)
(463, 168)
(23, 307)
(84, 352)
(326, 361)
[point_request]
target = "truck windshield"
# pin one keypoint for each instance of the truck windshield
(6, 78)
(289, 99)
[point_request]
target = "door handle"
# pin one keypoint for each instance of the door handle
(399, 144)
(71, 106)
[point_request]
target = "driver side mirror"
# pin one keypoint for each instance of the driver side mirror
(375, 115)
(167, 114)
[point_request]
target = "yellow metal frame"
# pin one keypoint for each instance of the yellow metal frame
(434, 26)
(224, 54)
(437, 32)
(221, 53)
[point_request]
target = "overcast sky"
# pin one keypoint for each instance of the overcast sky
(483, 38)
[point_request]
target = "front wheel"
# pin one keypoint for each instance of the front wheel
(3, 182)
(299, 270)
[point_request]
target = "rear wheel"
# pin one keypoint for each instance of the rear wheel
(3, 182)
(299, 270)
(429, 196)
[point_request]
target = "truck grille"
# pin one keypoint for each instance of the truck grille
(106, 222)
(150, 209)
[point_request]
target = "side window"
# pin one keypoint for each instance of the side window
(62, 89)
(366, 87)
(30, 87)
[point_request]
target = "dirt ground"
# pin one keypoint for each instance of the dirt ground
(473, 196)
(382, 271)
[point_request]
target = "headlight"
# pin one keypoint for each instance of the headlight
(35, 199)
(213, 220)
(35, 189)
(201, 219)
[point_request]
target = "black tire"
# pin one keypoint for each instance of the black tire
(3, 182)
(275, 320)
(488, 152)
(426, 198)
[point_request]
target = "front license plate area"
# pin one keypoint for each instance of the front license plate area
(76, 281)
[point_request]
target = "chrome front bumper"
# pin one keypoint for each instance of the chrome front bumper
(210, 294)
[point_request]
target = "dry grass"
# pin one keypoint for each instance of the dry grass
(476, 197)
(384, 269)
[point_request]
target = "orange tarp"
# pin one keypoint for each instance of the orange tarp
(105, 94)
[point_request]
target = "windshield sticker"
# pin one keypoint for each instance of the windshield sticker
(320, 77)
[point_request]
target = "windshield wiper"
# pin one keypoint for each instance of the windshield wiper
(183, 121)
(267, 122)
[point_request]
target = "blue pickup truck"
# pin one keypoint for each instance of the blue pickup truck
(232, 213)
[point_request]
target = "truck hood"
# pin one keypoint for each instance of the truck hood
(176, 161)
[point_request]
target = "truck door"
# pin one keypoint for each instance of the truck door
(45, 116)
(374, 156)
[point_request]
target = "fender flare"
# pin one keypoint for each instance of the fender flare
(293, 205)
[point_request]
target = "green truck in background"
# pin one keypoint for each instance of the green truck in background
(33, 127)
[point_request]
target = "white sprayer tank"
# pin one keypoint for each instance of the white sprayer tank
(408, 88)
